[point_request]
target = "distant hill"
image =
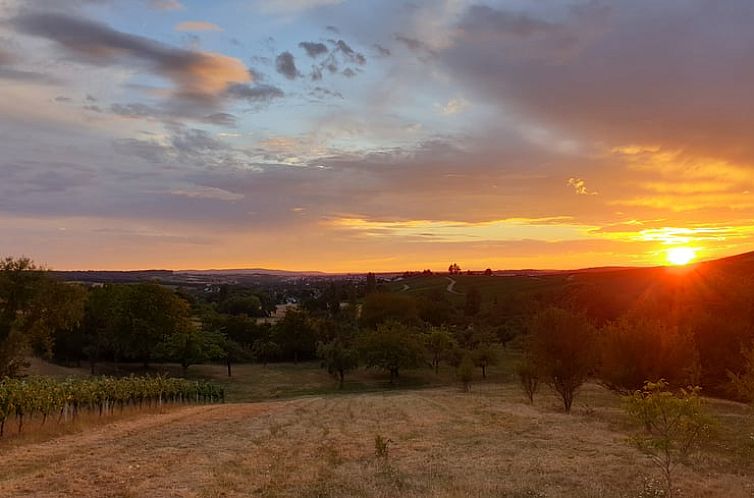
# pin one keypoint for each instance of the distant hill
(250, 271)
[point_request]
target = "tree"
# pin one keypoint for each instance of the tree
(743, 381)
(190, 345)
(465, 372)
(33, 307)
(383, 306)
(637, 347)
(438, 342)
(473, 302)
(338, 358)
(241, 304)
(528, 376)
(392, 346)
(562, 347)
(295, 336)
(454, 269)
(488, 272)
(371, 285)
(485, 355)
(673, 425)
(151, 313)
(266, 350)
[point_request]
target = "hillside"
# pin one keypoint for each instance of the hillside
(443, 443)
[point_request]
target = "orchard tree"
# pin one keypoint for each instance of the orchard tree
(190, 345)
(339, 358)
(561, 345)
(392, 346)
(295, 335)
(438, 342)
(473, 303)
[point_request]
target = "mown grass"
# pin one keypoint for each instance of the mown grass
(318, 441)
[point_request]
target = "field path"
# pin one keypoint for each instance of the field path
(451, 286)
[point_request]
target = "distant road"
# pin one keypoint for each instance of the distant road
(405, 288)
(451, 285)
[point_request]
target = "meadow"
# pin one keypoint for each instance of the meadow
(288, 431)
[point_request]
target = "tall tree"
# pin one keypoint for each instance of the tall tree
(32, 307)
(562, 346)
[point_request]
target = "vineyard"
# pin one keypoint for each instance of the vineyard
(51, 401)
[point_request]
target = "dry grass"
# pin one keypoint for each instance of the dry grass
(444, 443)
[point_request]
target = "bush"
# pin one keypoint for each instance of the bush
(673, 425)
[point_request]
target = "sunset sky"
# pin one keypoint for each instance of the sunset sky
(375, 135)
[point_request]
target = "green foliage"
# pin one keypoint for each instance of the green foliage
(438, 342)
(338, 358)
(295, 335)
(241, 304)
(42, 397)
(743, 382)
(392, 346)
(33, 307)
(149, 314)
(637, 347)
(191, 345)
(562, 346)
(265, 350)
(473, 302)
(465, 372)
(486, 350)
(380, 307)
(673, 424)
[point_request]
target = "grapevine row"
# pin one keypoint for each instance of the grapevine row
(60, 401)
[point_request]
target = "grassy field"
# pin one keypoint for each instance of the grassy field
(314, 440)
(442, 443)
(489, 287)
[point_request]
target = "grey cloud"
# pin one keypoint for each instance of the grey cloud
(221, 119)
(630, 72)
(321, 92)
(8, 73)
(195, 74)
(285, 64)
(482, 18)
(350, 54)
(383, 51)
(255, 93)
(314, 49)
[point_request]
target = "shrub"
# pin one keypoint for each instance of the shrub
(673, 425)
(528, 376)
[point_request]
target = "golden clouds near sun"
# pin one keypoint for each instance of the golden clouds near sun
(680, 255)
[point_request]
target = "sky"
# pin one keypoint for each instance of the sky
(374, 135)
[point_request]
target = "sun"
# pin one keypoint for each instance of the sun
(680, 256)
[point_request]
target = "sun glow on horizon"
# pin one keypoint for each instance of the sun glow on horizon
(680, 256)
